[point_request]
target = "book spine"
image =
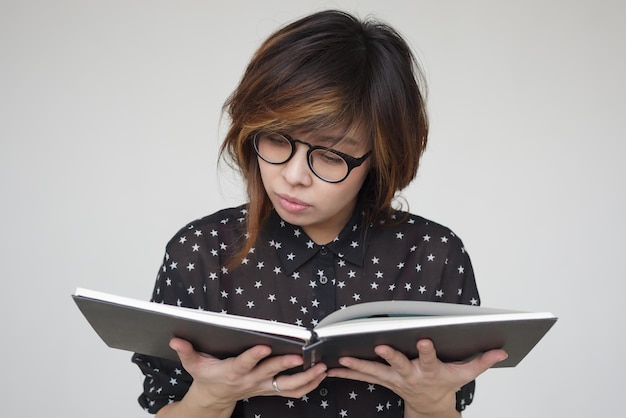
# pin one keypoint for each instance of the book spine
(312, 353)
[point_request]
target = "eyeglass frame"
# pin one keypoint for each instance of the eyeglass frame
(351, 162)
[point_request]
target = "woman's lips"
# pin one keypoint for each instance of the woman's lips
(291, 204)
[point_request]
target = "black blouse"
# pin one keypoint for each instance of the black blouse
(288, 278)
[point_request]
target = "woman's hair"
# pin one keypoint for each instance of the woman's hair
(330, 70)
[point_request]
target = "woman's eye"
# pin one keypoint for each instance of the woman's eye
(330, 158)
(276, 140)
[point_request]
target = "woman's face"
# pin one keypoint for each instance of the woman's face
(301, 198)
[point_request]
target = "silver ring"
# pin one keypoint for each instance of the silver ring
(275, 385)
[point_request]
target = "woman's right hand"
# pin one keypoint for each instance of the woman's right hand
(219, 384)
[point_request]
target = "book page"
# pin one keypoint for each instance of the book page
(406, 308)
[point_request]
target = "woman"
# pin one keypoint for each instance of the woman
(327, 124)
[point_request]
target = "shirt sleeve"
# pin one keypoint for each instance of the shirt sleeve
(166, 381)
(458, 279)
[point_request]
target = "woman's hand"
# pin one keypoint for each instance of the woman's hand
(427, 385)
(221, 383)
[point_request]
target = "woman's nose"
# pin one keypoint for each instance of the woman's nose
(296, 170)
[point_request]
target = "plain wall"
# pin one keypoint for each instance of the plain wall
(109, 130)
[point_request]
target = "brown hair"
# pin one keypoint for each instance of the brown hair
(331, 70)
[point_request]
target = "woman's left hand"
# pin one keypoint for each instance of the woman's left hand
(427, 385)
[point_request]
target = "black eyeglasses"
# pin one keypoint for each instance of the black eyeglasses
(326, 163)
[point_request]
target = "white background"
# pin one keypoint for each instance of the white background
(109, 127)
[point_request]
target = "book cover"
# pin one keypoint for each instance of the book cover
(459, 332)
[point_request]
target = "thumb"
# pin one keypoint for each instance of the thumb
(183, 348)
(490, 358)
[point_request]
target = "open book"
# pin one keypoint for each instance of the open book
(458, 332)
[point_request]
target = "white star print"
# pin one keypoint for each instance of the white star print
(385, 265)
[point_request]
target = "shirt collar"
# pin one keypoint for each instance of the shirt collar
(294, 247)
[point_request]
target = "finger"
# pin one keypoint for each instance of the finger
(298, 384)
(249, 359)
(490, 359)
(186, 353)
(427, 355)
(362, 370)
(397, 360)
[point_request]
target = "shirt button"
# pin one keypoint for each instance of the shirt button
(323, 280)
(323, 391)
(323, 251)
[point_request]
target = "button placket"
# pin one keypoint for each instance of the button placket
(324, 271)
